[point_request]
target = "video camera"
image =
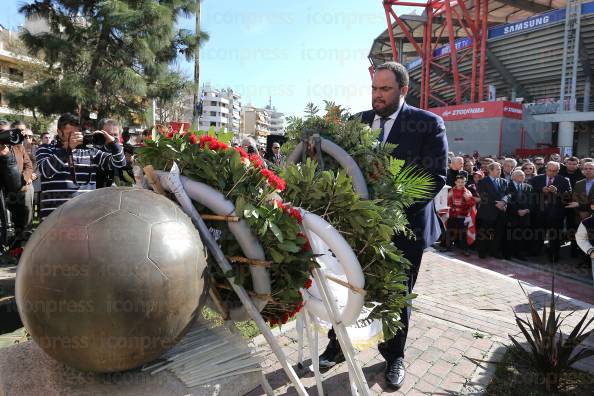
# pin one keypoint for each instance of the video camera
(11, 137)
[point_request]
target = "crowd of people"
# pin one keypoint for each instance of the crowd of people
(43, 172)
(518, 204)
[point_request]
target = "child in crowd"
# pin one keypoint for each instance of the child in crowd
(460, 202)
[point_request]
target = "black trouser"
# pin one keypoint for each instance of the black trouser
(550, 228)
(394, 347)
(490, 236)
(518, 239)
(456, 233)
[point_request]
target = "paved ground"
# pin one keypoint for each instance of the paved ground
(464, 313)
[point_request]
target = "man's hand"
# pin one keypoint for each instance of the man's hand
(108, 138)
(572, 205)
(552, 189)
(4, 150)
(500, 205)
(33, 176)
(74, 140)
(592, 255)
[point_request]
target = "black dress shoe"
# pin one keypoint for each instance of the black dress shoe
(331, 356)
(395, 373)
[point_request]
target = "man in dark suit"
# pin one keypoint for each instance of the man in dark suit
(553, 193)
(583, 193)
(455, 170)
(520, 205)
(490, 216)
(420, 137)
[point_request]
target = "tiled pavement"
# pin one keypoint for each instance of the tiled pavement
(464, 313)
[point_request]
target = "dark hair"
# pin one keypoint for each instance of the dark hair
(67, 119)
(460, 177)
(574, 159)
(400, 72)
(16, 122)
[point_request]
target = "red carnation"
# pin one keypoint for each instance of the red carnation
(267, 173)
(257, 162)
(285, 318)
(306, 246)
(296, 214)
(277, 182)
(206, 139)
(273, 322)
(223, 146)
(170, 135)
(16, 252)
(193, 139)
(148, 137)
(241, 152)
(307, 283)
(279, 204)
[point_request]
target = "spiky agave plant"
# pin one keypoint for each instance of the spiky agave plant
(549, 351)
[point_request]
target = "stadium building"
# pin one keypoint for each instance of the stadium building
(507, 76)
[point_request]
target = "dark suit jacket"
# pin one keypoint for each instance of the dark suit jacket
(489, 194)
(519, 201)
(579, 195)
(421, 140)
(551, 205)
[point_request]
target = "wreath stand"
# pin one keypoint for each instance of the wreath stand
(172, 182)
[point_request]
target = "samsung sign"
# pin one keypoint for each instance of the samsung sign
(528, 24)
(534, 22)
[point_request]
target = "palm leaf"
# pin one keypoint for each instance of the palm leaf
(414, 183)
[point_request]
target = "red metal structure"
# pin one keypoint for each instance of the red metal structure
(443, 17)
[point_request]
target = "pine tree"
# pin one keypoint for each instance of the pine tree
(106, 56)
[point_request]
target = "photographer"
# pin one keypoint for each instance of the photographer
(69, 167)
(16, 170)
(105, 178)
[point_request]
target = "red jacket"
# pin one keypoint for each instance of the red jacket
(459, 205)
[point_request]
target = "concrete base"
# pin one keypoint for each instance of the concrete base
(26, 370)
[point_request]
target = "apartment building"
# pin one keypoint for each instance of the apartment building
(221, 109)
(12, 69)
(255, 121)
(277, 121)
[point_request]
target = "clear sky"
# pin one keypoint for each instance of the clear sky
(293, 51)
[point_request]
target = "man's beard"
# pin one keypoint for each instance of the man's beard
(388, 110)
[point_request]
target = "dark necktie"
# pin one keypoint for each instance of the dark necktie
(383, 121)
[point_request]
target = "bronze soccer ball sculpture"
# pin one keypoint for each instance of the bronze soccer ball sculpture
(111, 279)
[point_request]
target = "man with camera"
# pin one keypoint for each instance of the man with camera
(16, 172)
(69, 167)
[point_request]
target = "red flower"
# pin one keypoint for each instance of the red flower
(170, 135)
(257, 162)
(193, 139)
(306, 246)
(16, 252)
(277, 183)
(223, 146)
(307, 283)
(206, 139)
(241, 152)
(148, 137)
(285, 318)
(296, 214)
(273, 322)
(267, 173)
(279, 204)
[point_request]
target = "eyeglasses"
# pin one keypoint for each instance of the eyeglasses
(28, 136)
(275, 148)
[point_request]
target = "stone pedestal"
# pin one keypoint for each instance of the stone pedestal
(26, 370)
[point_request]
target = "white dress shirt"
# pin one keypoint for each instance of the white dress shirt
(389, 123)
